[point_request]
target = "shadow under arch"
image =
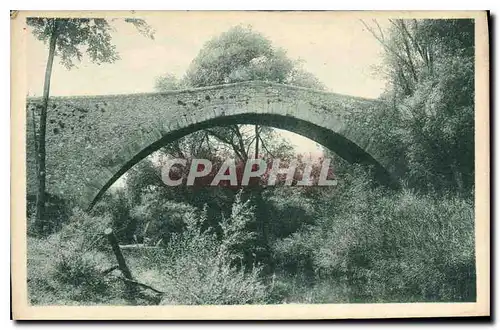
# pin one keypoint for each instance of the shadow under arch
(330, 139)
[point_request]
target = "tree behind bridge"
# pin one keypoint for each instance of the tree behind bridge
(240, 54)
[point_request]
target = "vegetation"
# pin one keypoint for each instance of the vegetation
(355, 242)
(240, 54)
(66, 37)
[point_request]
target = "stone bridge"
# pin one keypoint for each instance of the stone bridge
(93, 140)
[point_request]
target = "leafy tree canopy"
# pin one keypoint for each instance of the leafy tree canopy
(429, 114)
(240, 54)
(76, 36)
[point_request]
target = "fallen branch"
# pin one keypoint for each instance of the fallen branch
(139, 284)
(137, 247)
(109, 270)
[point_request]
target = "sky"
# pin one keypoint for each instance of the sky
(336, 49)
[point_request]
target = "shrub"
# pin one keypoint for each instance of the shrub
(57, 212)
(294, 255)
(398, 246)
(197, 267)
(288, 210)
(116, 206)
(84, 231)
(66, 267)
(158, 219)
(83, 272)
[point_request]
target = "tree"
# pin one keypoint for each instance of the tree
(430, 101)
(69, 39)
(240, 54)
(167, 82)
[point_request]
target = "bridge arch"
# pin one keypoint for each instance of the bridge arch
(92, 141)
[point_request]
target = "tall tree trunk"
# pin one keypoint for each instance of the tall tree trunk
(257, 141)
(41, 155)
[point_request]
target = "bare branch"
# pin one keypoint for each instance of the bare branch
(230, 143)
(379, 29)
(372, 32)
(407, 48)
(264, 146)
(250, 143)
(390, 49)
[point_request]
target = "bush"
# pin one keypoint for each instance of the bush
(116, 206)
(57, 212)
(397, 246)
(294, 255)
(288, 210)
(84, 231)
(158, 219)
(66, 268)
(197, 267)
(83, 272)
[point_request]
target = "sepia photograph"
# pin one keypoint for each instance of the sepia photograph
(250, 164)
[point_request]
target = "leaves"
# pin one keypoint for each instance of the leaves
(167, 82)
(144, 28)
(241, 54)
(76, 36)
(79, 36)
(429, 115)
